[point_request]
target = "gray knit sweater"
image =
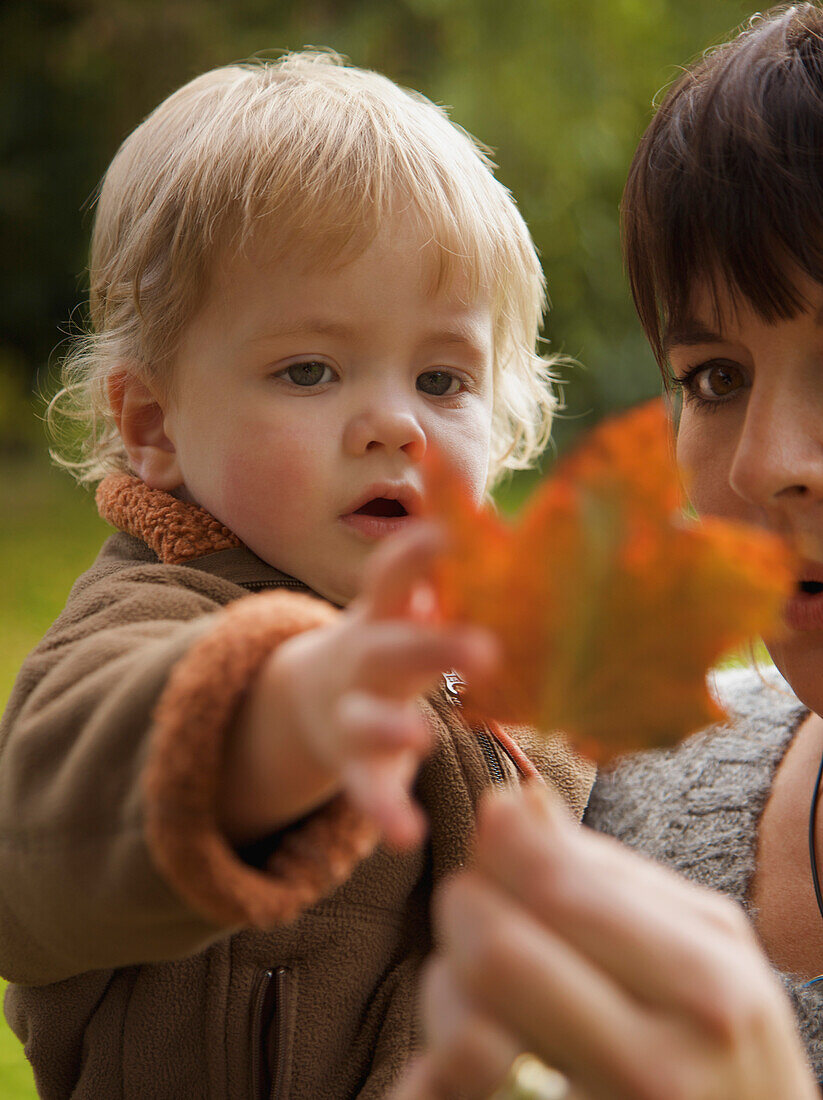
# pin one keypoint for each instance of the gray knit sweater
(696, 808)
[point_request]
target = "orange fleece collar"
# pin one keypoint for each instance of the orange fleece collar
(175, 530)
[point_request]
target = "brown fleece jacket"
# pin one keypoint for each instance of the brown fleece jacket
(148, 957)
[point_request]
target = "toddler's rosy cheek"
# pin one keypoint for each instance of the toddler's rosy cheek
(268, 477)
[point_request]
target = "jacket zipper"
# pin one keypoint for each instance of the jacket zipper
(254, 586)
(282, 1065)
(451, 690)
(263, 989)
(270, 1008)
(491, 759)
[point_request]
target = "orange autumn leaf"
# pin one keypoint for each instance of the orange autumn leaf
(609, 605)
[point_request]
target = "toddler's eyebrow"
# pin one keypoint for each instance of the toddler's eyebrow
(308, 327)
(454, 338)
(465, 339)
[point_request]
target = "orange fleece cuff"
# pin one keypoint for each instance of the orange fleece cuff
(183, 772)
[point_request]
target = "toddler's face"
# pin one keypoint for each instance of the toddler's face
(304, 397)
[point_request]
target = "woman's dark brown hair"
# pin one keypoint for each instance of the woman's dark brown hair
(726, 186)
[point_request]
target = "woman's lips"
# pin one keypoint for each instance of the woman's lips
(804, 611)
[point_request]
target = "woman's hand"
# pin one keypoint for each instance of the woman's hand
(634, 983)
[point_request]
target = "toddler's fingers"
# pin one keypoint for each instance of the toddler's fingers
(399, 565)
(400, 659)
(371, 723)
(380, 787)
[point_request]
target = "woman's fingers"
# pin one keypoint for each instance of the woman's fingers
(540, 809)
(611, 1044)
(632, 982)
(419, 1082)
(469, 1054)
(532, 984)
(664, 940)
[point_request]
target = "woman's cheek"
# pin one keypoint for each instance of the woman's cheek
(705, 469)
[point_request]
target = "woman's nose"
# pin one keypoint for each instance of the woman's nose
(779, 455)
(388, 425)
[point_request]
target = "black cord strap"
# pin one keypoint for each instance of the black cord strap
(813, 852)
(812, 842)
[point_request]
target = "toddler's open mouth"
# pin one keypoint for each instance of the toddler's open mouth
(382, 512)
(386, 508)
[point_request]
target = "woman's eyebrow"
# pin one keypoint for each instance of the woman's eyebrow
(688, 333)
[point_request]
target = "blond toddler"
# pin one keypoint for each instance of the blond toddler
(232, 771)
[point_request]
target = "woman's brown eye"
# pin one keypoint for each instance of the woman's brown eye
(720, 380)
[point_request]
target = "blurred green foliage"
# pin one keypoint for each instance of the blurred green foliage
(15, 1073)
(561, 92)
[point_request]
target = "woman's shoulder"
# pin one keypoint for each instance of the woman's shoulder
(696, 806)
(757, 693)
(761, 714)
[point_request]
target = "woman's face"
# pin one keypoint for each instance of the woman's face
(751, 444)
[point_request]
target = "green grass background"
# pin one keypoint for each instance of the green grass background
(16, 1082)
(49, 534)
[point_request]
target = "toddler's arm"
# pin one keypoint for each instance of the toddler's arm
(118, 829)
(78, 888)
(335, 708)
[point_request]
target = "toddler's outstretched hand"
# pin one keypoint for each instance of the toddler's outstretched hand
(336, 707)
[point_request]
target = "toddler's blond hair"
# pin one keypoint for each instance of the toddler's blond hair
(327, 152)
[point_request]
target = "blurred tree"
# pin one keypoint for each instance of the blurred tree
(560, 91)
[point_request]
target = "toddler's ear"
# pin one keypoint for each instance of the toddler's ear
(140, 420)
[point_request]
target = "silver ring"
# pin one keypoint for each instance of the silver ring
(530, 1079)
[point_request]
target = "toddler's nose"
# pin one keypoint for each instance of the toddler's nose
(386, 426)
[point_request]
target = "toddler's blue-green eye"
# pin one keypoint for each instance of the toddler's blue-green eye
(438, 383)
(308, 374)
